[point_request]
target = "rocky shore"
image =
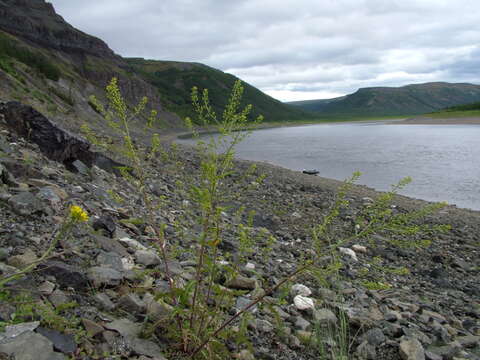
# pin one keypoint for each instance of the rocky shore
(95, 304)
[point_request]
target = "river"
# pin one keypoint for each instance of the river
(442, 160)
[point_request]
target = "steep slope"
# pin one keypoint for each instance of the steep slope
(391, 101)
(46, 63)
(175, 80)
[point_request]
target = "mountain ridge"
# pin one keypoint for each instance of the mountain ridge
(409, 99)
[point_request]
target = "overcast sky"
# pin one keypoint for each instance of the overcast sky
(296, 49)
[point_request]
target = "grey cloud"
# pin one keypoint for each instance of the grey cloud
(305, 46)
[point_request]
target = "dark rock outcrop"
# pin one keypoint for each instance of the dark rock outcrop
(56, 143)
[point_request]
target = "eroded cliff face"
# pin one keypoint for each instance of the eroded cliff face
(37, 21)
(87, 64)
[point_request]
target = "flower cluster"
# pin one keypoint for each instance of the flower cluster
(78, 214)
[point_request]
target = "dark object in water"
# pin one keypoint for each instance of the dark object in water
(311, 171)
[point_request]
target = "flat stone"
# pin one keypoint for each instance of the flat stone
(132, 303)
(469, 341)
(302, 324)
(147, 257)
(46, 288)
(132, 244)
(65, 275)
(125, 327)
(112, 245)
(22, 261)
(366, 351)
(58, 298)
(411, 349)
(49, 195)
(61, 342)
(92, 327)
(144, 347)
(12, 331)
(263, 326)
(80, 167)
(324, 316)
(30, 346)
(104, 276)
(242, 302)
(110, 259)
(303, 302)
(157, 310)
(104, 301)
(106, 224)
(25, 203)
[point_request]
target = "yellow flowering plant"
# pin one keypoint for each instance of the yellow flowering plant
(75, 216)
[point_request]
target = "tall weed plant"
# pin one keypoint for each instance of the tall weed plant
(200, 324)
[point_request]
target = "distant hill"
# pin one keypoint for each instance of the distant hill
(394, 101)
(174, 81)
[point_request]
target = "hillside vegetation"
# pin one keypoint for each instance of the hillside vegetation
(175, 80)
(395, 101)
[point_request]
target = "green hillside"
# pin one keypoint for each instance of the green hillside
(467, 110)
(392, 101)
(175, 80)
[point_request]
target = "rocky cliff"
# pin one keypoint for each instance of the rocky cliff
(37, 22)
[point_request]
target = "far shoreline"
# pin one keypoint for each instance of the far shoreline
(425, 120)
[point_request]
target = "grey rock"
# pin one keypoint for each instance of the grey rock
(106, 224)
(92, 327)
(104, 301)
(111, 260)
(300, 289)
(324, 317)
(447, 352)
(157, 310)
(6, 178)
(144, 347)
(12, 331)
(30, 346)
(23, 260)
(58, 297)
(49, 195)
(25, 203)
(147, 257)
(46, 288)
(242, 302)
(110, 245)
(432, 356)
(469, 341)
(125, 327)
(65, 275)
(61, 342)
(375, 336)
(366, 351)
(80, 167)
(99, 276)
(303, 302)
(302, 324)
(132, 303)
(263, 326)
(411, 349)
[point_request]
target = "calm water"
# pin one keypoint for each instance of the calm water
(443, 160)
